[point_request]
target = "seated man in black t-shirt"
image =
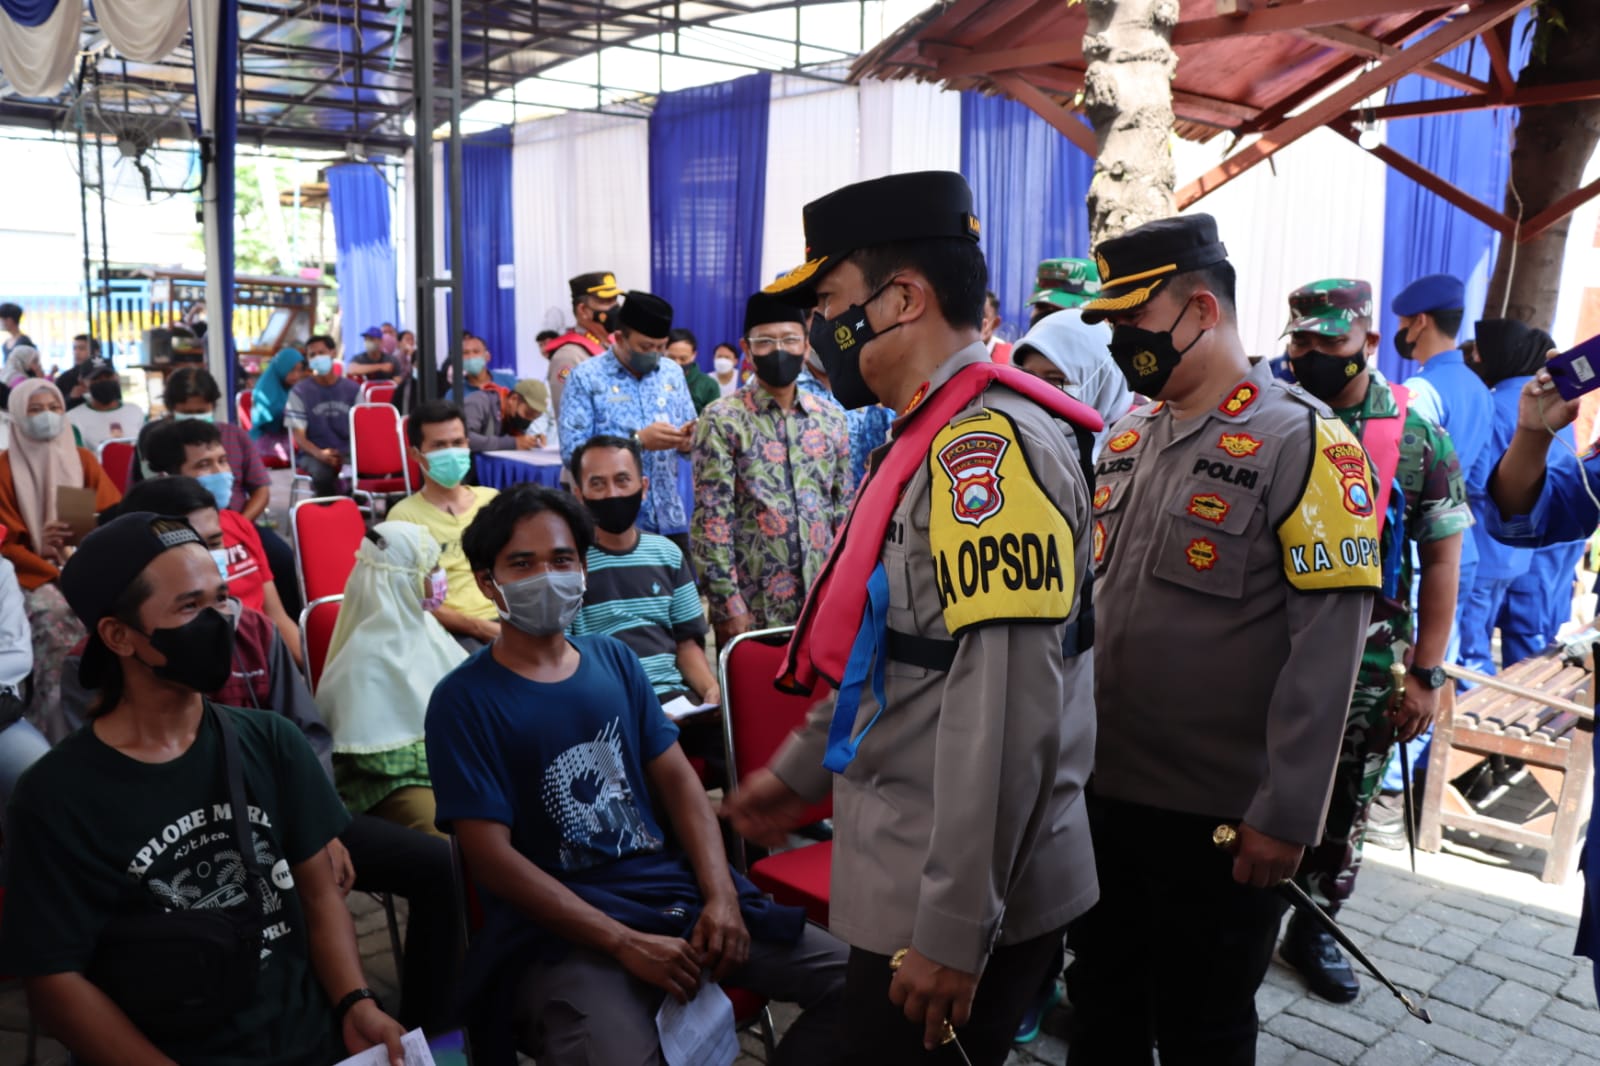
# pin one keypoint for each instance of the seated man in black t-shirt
(131, 815)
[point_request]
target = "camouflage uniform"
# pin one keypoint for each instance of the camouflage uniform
(1065, 283)
(1430, 503)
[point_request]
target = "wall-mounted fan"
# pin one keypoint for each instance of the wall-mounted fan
(136, 143)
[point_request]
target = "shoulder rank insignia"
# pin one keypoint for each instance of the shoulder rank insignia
(1124, 440)
(1239, 400)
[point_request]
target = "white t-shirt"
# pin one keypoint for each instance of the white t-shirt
(97, 427)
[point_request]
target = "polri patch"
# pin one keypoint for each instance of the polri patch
(1239, 400)
(1238, 445)
(1350, 459)
(1208, 507)
(1124, 440)
(973, 462)
(1201, 553)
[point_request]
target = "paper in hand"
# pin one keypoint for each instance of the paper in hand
(699, 1032)
(76, 507)
(413, 1043)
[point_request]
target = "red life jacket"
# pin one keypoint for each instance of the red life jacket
(578, 337)
(834, 608)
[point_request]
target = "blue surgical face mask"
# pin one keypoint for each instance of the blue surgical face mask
(474, 366)
(220, 485)
(322, 365)
(202, 416)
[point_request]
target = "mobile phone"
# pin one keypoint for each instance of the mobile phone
(1577, 371)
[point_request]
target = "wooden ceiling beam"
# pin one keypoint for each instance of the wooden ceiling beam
(1065, 121)
(1288, 17)
(1420, 174)
(1348, 40)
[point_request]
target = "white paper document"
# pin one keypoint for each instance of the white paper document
(697, 1033)
(416, 1049)
(684, 707)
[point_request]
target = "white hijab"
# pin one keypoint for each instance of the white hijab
(386, 653)
(1081, 352)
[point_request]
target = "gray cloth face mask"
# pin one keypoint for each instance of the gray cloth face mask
(544, 603)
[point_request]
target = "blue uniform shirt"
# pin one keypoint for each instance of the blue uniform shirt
(1498, 561)
(1447, 391)
(603, 397)
(1563, 512)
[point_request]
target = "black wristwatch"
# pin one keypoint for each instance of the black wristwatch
(1432, 677)
(345, 1005)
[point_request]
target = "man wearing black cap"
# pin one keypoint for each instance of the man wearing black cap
(1236, 551)
(131, 817)
(594, 306)
(631, 391)
(958, 605)
(772, 481)
(105, 416)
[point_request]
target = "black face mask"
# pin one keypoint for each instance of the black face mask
(1147, 358)
(642, 363)
(106, 392)
(779, 368)
(1404, 345)
(838, 342)
(514, 426)
(199, 654)
(1325, 376)
(616, 514)
(603, 319)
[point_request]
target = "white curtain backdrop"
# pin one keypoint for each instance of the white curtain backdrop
(38, 60)
(811, 150)
(1319, 216)
(580, 187)
(144, 30)
(908, 126)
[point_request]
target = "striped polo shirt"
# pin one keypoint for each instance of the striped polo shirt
(647, 599)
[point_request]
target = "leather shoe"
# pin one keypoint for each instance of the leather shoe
(1316, 956)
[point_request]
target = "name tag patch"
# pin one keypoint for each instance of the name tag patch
(1243, 476)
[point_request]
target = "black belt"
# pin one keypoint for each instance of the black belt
(932, 653)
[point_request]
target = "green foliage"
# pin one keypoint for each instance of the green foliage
(1548, 21)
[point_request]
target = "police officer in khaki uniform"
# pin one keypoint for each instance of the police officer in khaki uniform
(959, 836)
(595, 297)
(1236, 551)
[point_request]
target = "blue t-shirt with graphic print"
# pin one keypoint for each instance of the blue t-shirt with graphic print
(562, 764)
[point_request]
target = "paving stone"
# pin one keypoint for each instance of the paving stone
(1456, 947)
(1586, 1044)
(1563, 965)
(1271, 1051)
(1532, 1051)
(1580, 989)
(1465, 986)
(1306, 1034)
(1465, 922)
(1577, 1017)
(1301, 1057)
(1528, 931)
(1354, 921)
(1413, 931)
(1339, 1018)
(1560, 942)
(1515, 1004)
(1488, 908)
(1488, 960)
(1270, 999)
(1388, 951)
(1448, 1016)
(1461, 1045)
(1396, 1049)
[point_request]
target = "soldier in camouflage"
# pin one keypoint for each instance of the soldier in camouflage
(1422, 500)
(1061, 284)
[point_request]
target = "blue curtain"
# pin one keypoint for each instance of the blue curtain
(490, 311)
(1423, 232)
(29, 12)
(708, 177)
(1029, 190)
(360, 199)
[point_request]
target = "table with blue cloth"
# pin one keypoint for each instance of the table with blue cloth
(501, 470)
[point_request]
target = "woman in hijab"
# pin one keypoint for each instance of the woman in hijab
(386, 654)
(41, 461)
(270, 398)
(23, 363)
(1072, 355)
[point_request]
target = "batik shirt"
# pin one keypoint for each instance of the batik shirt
(771, 487)
(603, 397)
(869, 426)
(1435, 502)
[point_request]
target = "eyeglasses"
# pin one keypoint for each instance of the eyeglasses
(794, 344)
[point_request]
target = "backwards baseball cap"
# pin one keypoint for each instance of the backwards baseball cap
(764, 309)
(900, 207)
(646, 313)
(601, 284)
(1329, 307)
(1435, 292)
(94, 367)
(105, 564)
(1137, 265)
(372, 333)
(1065, 283)
(535, 392)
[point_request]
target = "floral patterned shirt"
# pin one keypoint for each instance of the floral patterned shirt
(771, 488)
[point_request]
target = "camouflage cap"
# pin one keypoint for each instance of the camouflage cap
(1329, 307)
(1065, 282)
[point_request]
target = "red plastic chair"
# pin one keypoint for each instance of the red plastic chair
(378, 392)
(327, 531)
(316, 631)
(756, 719)
(242, 404)
(413, 468)
(377, 452)
(117, 457)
